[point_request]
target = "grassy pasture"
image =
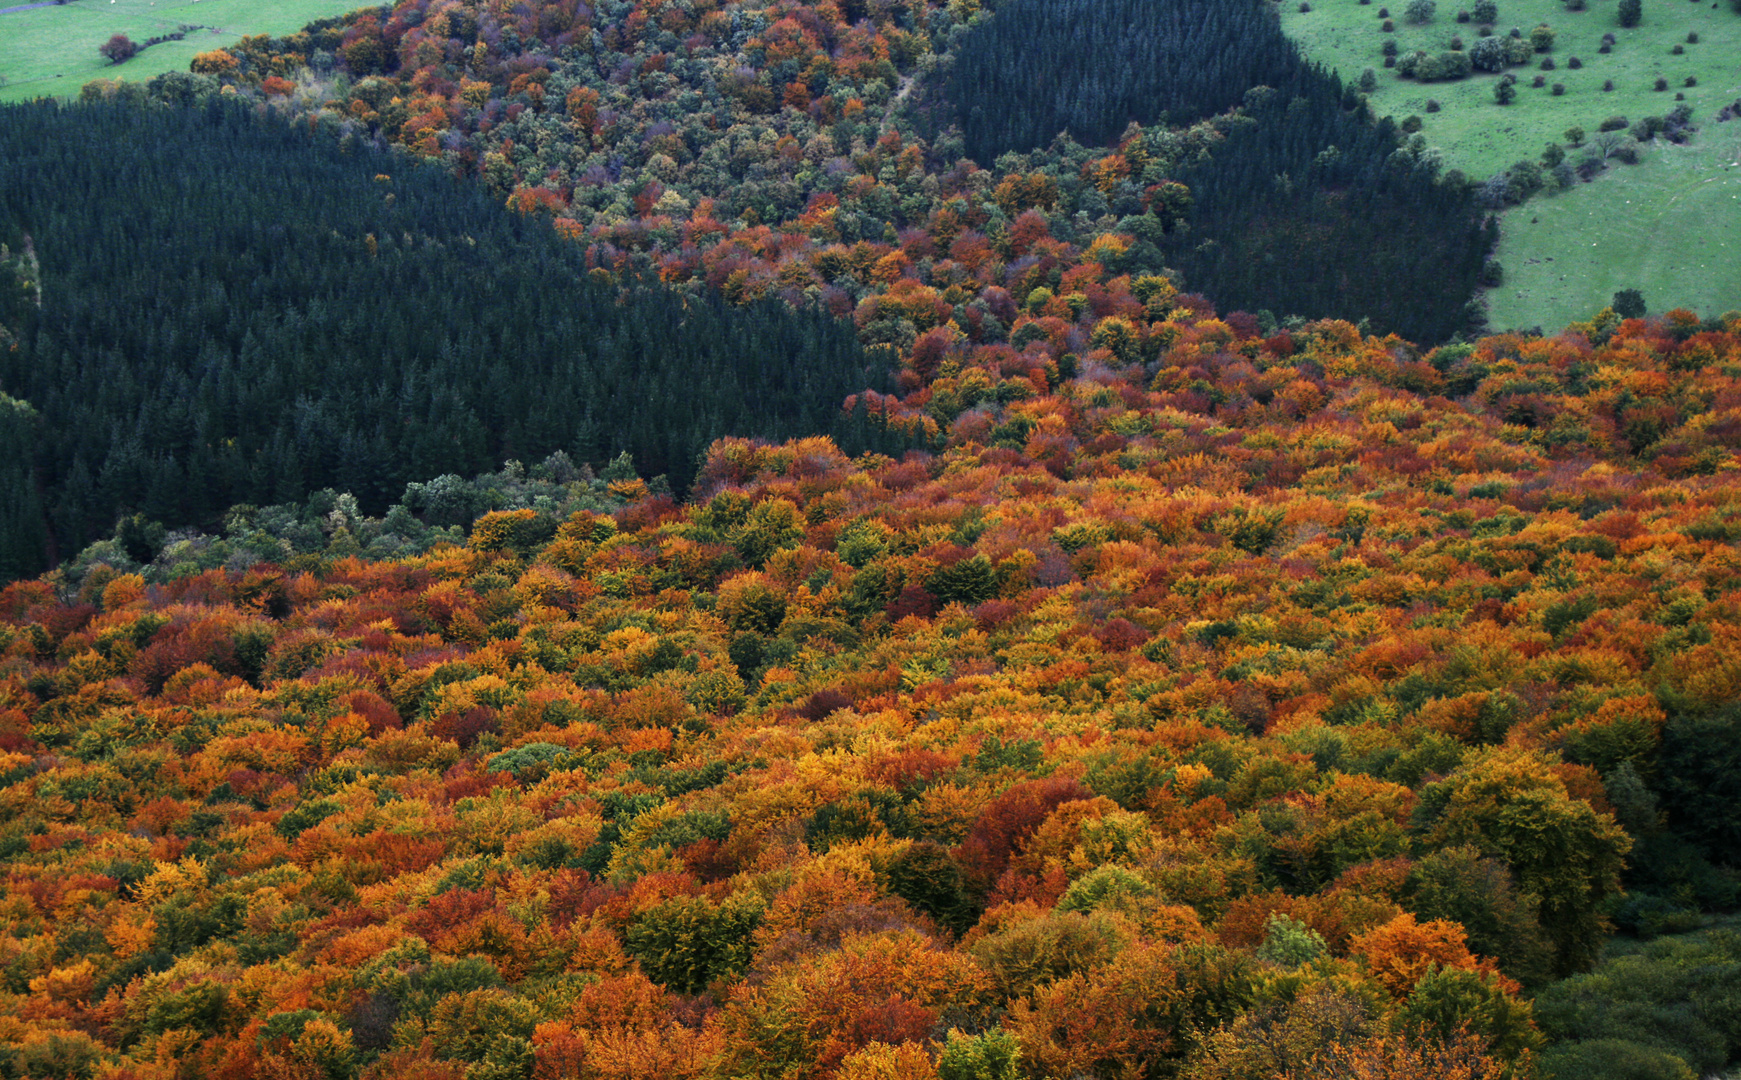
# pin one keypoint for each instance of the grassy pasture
(1482, 137)
(52, 51)
(1667, 226)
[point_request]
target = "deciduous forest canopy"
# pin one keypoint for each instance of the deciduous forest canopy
(1094, 655)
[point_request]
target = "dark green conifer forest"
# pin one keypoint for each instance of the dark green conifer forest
(235, 312)
(1308, 205)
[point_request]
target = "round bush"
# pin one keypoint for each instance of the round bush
(1411, 125)
(1693, 38)
(1432, 104)
(1548, 64)
(1607, 84)
(1680, 96)
(1456, 44)
(1614, 123)
(1691, 81)
(1485, 31)
(1539, 80)
(1662, 84)
(1462, 16)
(1574, 63)
(1390, 61)
(1678, 50)
(1388, 26)
(1606, 48)
(1559, 89)
(1384, 13)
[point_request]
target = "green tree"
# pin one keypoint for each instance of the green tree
(1504, 91)
(1562, 853)
(1631, 12)
(1629, 304)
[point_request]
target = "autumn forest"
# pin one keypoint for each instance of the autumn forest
(679, 539)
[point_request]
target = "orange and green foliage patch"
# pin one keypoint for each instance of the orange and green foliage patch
(1264, 711)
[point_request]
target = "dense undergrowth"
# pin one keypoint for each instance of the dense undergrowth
(1292, 706)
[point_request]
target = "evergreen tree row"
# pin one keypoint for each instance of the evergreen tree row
(237, 312)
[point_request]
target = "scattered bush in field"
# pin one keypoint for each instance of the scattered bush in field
(118, 48)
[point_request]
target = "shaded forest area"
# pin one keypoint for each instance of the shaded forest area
(235, 312)
(1312, 208)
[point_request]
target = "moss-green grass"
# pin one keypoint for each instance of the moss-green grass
(1669, 227)
(1666, 226)
(1482, 137)
(52, 51)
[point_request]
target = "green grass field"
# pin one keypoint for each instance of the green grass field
(52, 51)
(1669, 226)
(1663, 226)
(1481, 137)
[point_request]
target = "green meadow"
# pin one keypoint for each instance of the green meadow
(1658, 226)
(52, 51)
(1669, 227)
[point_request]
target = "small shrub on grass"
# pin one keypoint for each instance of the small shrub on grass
(1559, 89)
(1539, 81)
(1388, 26)
(1693, 38)
(1432, 104)
(1631, 13)
(1614, 123)
(1662, 84)
(1574, 63)
(1607, 84)
(1691, 81)
(1678, 50)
